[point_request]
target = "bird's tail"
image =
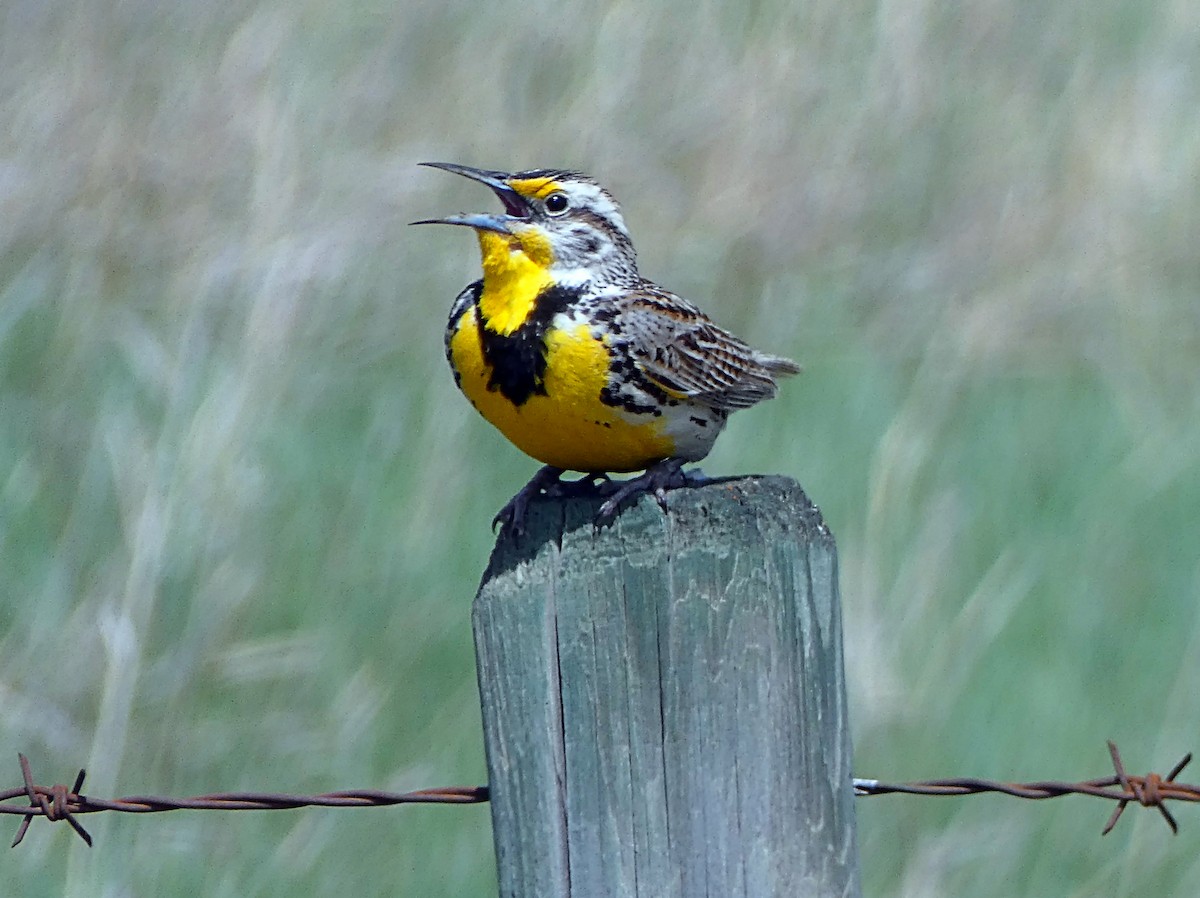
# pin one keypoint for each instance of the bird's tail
(777, 364)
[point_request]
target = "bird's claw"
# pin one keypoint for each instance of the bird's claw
(511, 518)
(656, 480)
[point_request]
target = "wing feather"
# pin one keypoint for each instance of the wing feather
(681, 350)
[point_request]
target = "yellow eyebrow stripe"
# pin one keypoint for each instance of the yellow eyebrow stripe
(535, 188)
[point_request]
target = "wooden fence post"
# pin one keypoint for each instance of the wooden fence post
(664, 707)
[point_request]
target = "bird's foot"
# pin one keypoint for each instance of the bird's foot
(657, 479)
(512, 516)
(595, 483)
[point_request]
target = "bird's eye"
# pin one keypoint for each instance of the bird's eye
(557, 203)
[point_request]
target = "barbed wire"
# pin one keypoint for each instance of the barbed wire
(1150, 791)
(60, 803)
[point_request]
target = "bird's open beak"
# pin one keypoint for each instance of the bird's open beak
(515, 206)
(480, 221)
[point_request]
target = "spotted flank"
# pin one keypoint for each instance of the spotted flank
(572, 355)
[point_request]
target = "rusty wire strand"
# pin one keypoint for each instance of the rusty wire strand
(60, 803)
(1150, 791)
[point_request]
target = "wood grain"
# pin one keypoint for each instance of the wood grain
(663, 701)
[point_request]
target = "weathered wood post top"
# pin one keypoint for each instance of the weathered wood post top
(663, 700)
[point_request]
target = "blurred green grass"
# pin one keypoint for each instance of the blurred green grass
(243, 511)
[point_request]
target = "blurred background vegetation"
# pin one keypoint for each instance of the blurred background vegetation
(243, 510)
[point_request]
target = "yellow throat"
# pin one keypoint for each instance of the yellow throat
(516, 268)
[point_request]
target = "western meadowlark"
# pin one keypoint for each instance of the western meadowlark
(577, 359)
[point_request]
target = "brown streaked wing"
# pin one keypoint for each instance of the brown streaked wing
(679, 348)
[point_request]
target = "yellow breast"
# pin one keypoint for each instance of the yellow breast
(565, 424)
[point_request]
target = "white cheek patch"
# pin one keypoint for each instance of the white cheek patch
(572, 277)
(581, 251)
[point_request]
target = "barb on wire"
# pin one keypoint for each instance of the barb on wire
(1150, 791)
(56, 809)
(61, 803)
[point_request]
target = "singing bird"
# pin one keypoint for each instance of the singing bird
(580, 361)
